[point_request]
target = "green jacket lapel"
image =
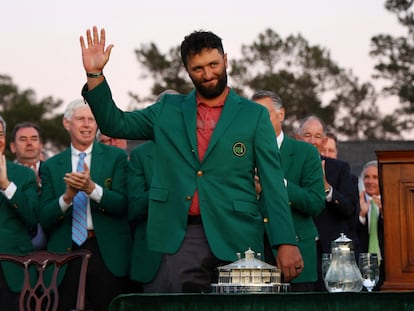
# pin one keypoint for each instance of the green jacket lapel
(189, 109)
(230, 109)
(287, 153)
(64, 165)
(97, 160)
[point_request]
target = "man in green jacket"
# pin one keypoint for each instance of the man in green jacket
(144, 263)
(202, 200)
(102, 226)
(302, 167)
(18, 203)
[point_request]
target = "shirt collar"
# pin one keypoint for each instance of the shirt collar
(37, 164)
(219, 104)
(280, 139)
(76, 152)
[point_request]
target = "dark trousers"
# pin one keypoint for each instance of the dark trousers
(302, 287)
(191, 269)
(320, 283)
(8, 299)
(101, 285)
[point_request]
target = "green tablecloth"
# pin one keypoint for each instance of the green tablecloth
(389, 301)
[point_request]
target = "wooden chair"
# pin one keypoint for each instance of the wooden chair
(42, 296)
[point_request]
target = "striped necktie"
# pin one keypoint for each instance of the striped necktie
(79, 224)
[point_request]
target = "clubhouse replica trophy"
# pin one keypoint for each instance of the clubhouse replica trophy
(249, 275)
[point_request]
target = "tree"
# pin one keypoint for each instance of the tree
(305, 76)
(166, 71)
(310, 83)
(395, 56)
(19, 106)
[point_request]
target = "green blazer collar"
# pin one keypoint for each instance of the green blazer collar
(65, 161)
(230, 110)
(189, 108)
(287, 152)
(98, 159)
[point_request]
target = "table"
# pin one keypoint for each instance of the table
(375, 301)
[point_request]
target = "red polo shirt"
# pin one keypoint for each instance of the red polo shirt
(207, 118)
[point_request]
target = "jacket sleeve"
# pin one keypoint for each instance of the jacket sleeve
(308, 198)
(138, 184)
(274, 195)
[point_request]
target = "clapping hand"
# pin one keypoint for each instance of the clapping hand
(4, 181)
(363, 204)
(377, 201)
(81, 181)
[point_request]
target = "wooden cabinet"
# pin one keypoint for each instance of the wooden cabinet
(396, 174)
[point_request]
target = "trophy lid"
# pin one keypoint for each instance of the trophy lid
(343, 243)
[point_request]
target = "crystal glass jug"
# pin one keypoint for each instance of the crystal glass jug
(343, 274)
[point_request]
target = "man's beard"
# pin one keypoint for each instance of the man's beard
(211, 92)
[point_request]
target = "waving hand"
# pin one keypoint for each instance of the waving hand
(94, 55)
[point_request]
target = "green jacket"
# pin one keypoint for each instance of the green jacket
(144, 263)
(302, 167)
(242, 140)
(109, 170)
(17, 216)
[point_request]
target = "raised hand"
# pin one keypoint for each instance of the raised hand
(326, 184)
(363, 204)
(4, 181)
(377, 201)
(94, 54)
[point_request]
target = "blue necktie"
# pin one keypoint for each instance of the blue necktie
(79, 224)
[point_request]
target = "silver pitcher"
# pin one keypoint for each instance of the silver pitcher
(343, 274)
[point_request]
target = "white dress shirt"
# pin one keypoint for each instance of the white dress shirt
(95, 195)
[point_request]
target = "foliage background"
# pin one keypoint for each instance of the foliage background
(304, 74)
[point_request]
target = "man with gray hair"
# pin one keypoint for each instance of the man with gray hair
(84, 206)
(340, 212)
(26, 144)
(301, 166)
(371, 224)
(18, 203)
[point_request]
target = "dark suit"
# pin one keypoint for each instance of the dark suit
(144, 263)
(113, 239)
(243, 139)
(340, 212)
(303, 171)
(17, 216)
